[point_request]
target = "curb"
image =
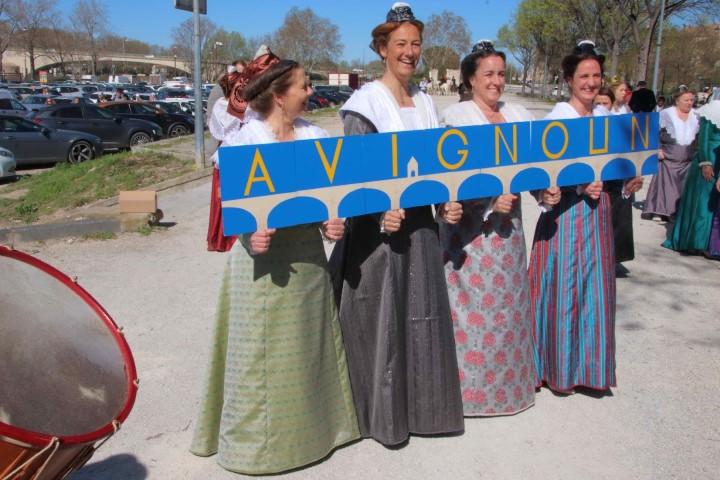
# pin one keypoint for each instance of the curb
(47, 231)
(103, 222)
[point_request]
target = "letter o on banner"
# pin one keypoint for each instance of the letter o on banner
(566, 141)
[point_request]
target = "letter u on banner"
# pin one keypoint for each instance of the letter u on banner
(606, 145)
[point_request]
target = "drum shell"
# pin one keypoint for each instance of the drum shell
(48, 454)
(66, 459)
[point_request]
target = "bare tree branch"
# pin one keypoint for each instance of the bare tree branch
(307, 38)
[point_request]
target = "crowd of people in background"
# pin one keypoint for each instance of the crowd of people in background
(684, 192)
(425, 316)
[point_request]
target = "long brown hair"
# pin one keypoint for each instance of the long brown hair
(276, 80)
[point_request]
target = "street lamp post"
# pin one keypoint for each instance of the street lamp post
(199, 132)
(124, 67)
(215, 60)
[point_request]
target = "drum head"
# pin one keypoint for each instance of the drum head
(66, 370)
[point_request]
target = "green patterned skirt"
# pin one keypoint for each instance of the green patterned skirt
(278, 395)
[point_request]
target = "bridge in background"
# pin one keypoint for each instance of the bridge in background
(48, 59)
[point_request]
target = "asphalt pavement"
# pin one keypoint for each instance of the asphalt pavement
(661, 422)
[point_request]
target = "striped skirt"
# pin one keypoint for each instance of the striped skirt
(572, 288)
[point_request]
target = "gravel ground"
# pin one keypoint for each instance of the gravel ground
(662, 422)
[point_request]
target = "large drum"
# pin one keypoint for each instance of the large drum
(68, 377)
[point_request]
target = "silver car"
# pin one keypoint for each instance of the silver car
(35, 144)
(43, 101)
(9, 106)
(7, 163)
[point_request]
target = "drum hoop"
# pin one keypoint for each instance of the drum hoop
(38, 439)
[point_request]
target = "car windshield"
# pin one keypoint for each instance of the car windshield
(145, 109)
(17, 125)
(170, 107)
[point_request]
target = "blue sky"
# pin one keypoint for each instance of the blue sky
(152, 20)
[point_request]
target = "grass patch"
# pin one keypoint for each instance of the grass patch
(100, 236)
(70, 186)
(144, 230)
(173, 143)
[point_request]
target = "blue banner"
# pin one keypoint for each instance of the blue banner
(284, 184)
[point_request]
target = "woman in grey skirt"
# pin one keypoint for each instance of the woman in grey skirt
(394, 309)
(679, 127)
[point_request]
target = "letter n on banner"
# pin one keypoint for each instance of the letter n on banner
(643, 134)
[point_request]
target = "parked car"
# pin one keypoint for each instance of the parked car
(7, 164)
(115, 132)
(142, 97)
(311, 105)
(333, 98)
(41, 102)
(333, 93)
(22, 92)
(169, 107)
(34, 144)
(321, 101)
(186, 105)
(9, 106)
(69, 91)
(167, 93)
(173, 124)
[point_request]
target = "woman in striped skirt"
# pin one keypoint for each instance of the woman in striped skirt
(572, 265)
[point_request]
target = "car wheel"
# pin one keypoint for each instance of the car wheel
(80, 151)
(178, 130)
(139, 138)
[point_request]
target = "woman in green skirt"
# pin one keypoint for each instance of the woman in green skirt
(277, 395)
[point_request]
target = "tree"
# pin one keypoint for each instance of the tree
(691, 56)
(7, 32)
(549, 25)
(90, 18)
(644, 18)
(441, 58)
(307, 38)
(449, 34)
(30, 17)
(61, 43)
(521, 47)
(183, 39)
(605, 23)
(254, 43)
(222, 48)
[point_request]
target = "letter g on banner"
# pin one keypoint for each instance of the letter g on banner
(462, 152)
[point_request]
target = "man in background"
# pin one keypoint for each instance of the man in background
(643, 99)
